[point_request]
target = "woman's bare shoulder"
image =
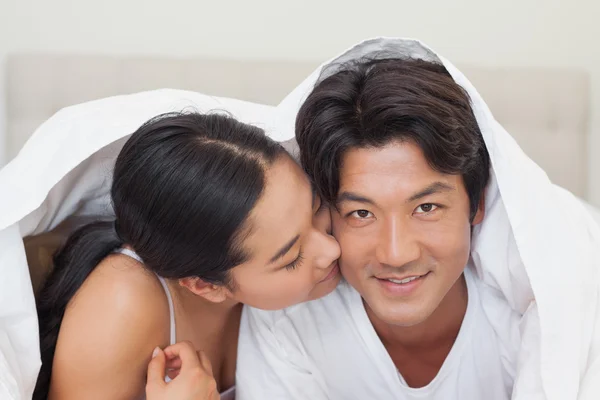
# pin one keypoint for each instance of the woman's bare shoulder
(108, 333)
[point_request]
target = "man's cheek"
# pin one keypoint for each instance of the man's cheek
(352, 252)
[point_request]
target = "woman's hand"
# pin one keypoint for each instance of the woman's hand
(193, 381)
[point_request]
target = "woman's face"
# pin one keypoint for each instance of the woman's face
(293, 257)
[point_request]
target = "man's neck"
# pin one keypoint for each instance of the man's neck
(419, 351)
(438, 329)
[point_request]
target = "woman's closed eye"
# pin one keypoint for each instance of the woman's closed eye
(296, 263)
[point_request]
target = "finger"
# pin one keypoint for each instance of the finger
(173, 367)
(156, 368)
(185, 352)
(174, 363)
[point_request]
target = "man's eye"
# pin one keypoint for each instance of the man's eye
(426, 208)
(361, 214)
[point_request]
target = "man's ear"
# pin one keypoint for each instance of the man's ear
(480, 211)
(209, 291)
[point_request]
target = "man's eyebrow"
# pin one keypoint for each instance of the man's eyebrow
(436, 187)
(283, 251)
(350, 196)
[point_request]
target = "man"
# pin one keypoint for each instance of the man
(430, 307)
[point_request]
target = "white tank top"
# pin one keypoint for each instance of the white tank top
(226, 395)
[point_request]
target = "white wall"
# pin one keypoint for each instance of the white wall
(508, 32)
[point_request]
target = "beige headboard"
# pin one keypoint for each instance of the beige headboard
(546, 110)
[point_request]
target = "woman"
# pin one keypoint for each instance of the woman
(210, 214)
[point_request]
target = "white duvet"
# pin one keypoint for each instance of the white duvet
(538, 244)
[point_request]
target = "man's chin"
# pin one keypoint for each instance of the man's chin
(391, 313)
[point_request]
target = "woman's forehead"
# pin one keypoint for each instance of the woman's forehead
(283, 211)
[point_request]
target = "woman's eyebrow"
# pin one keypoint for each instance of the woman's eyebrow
(283, 251)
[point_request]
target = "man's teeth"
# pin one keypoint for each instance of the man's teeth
(403, 280)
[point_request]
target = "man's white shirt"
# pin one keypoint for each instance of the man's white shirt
(328, 349)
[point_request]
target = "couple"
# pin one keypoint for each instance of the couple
(397, 195)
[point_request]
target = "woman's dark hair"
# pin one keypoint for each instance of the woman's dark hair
(183, 187)
(370, 103)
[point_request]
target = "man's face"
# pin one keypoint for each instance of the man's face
(404, 231)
